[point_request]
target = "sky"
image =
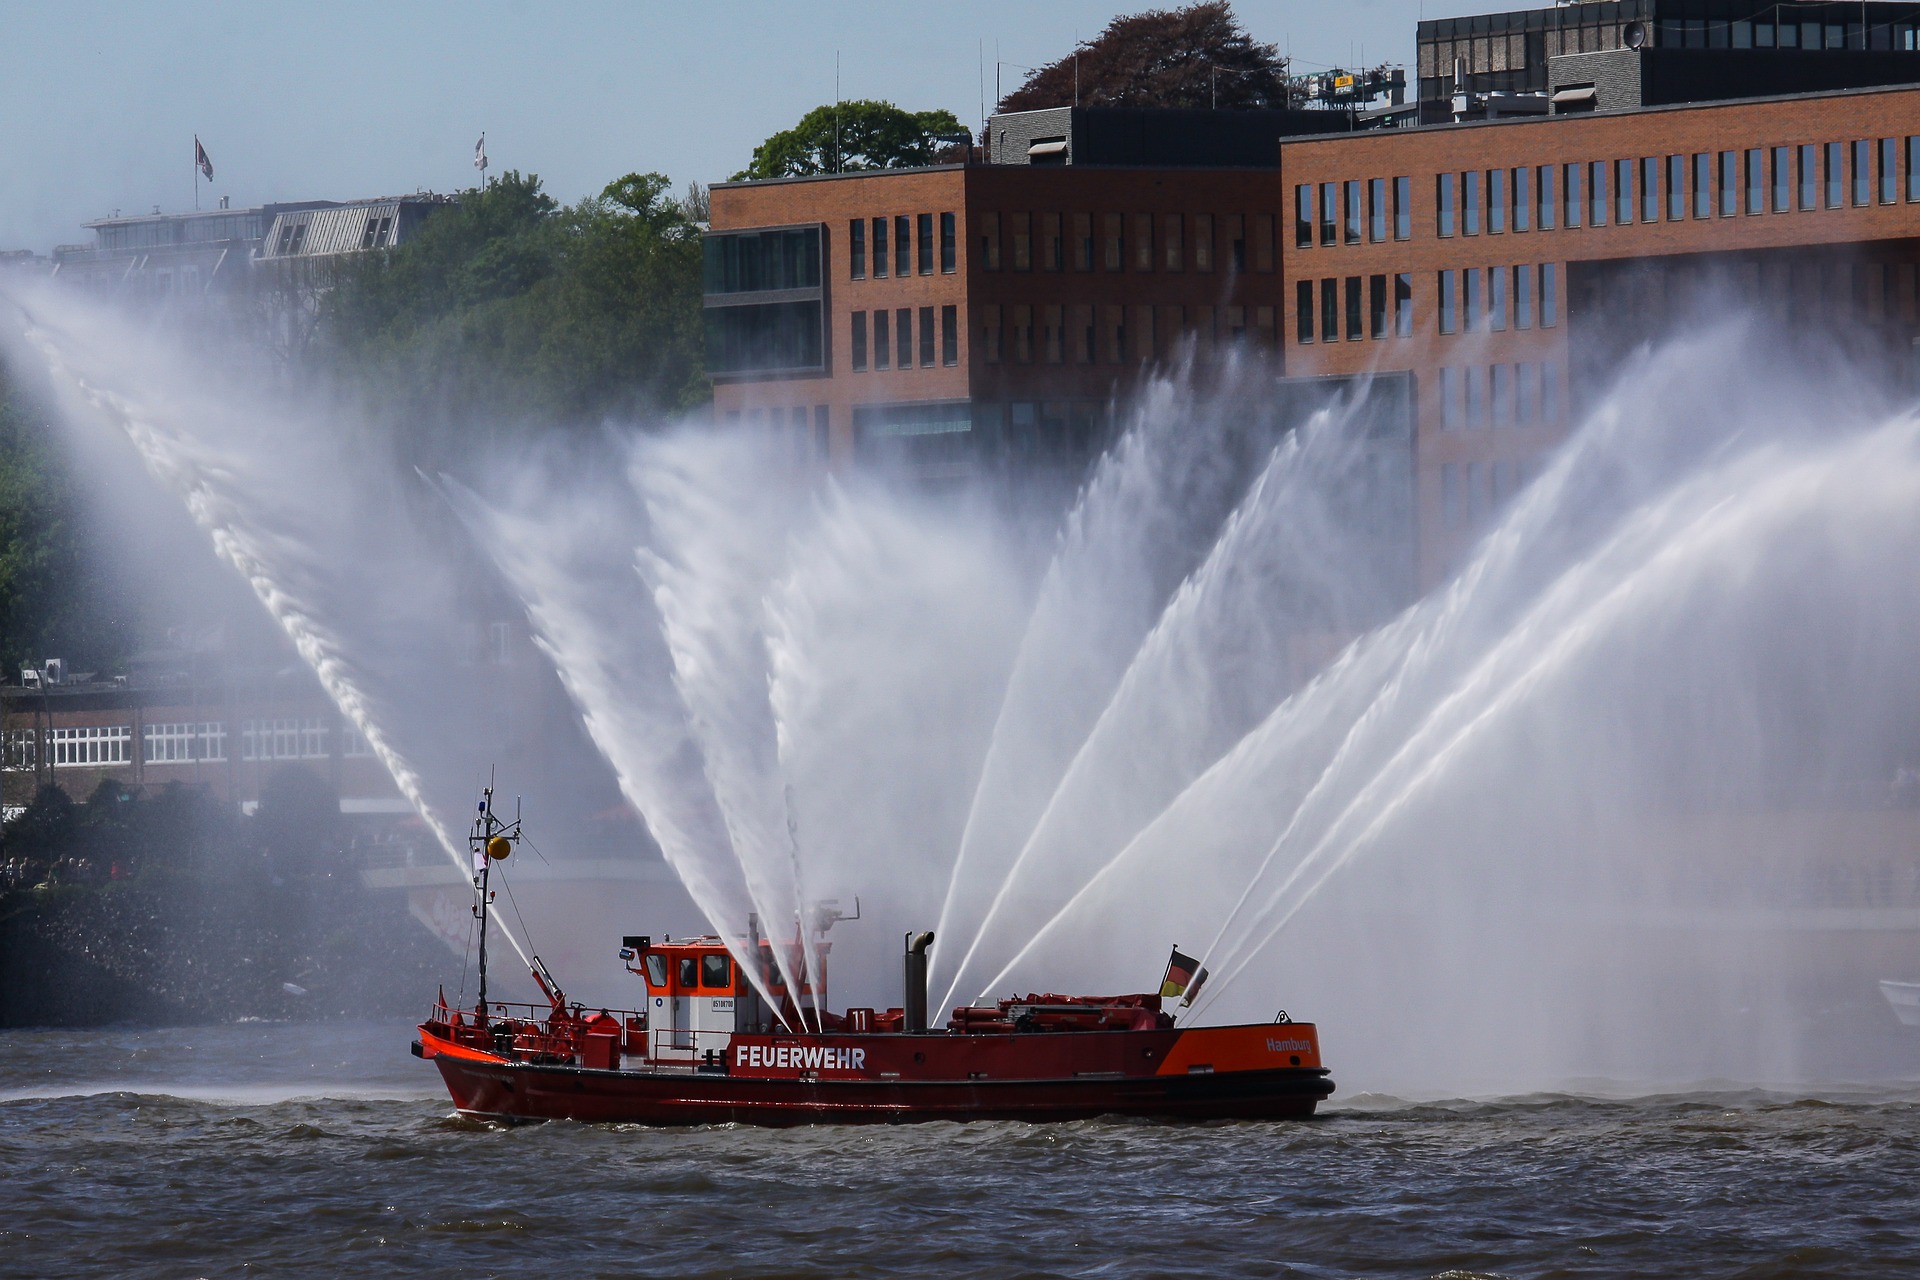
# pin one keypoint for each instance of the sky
(100, 102)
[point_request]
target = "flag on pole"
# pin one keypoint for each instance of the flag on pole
(1181, 976)
(200, 159)
(480, 154)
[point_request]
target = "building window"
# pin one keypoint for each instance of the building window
(1756, 180)
(1303, 311)
(1083, 242)
(1329, 212)
(1597, 194)
(1622, 192)
(1449, 399)
(91, 745)
(926, 337)
(1023, 242)
(1143, 242)
(1649, 189)
(1573, 203)
(857, 248)
(1263, 322)
(990, 331)
(1522, 199)
(1376, 306)
(1549, 393)
(1403, 305)
(1237, 242)
(1053, 323)
(1085, 340)
(1354, 213)
(1403, 208)
(1809, 176)
(1376, 209)
(1502, 393)
(1023, 333)
(1496, 201)
(902, 246)
(1052, 254)
(882, 347)
(1543, 196)
(1303, 216)
(1113, 254)
(183, 743)
(1263, 242)
(1203, 242)
(1476, 380)
(1677, 187)
(1176, 240)
(1523, 297)
(1475, 303)
(903, 338)
(1729, 183)
(1549, 295)
(1470, 202)
(1449, 493)
(1114, 319)
(1443, 204)
(1889, 170)
(1497, 298)
(857, 348)
(301, 739)
(1449, 321)
(1782, 179)
(1913, 169)
(989, 242)
(880, 254)
(1356, 317)
(1330, 310)
(1526, 391)
(1836, 165)
(949, 245)
(1863, 172)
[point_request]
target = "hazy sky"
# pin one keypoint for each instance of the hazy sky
(99, 102)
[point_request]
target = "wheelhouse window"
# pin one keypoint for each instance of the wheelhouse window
(716, 971)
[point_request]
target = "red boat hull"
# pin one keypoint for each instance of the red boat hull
(1054, 1085)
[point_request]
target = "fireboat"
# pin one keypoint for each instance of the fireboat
(716, 1044)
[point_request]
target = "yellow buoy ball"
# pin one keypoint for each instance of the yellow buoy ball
(499, 847)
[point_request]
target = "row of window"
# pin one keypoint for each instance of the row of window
(1113, 334)
(1346, 209)
(1138, 242)
(909, 250)
(1471, 492)
(1366, 308)
(897, 350)
(93, 746)
(1524, 394)
(1478, 299)
(1674, 188)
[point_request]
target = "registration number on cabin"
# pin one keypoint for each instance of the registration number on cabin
(780, 1059)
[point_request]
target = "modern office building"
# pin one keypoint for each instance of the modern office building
(986, 314)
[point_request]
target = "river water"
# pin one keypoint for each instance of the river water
(326, 1150)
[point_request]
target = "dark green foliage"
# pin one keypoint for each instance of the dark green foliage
(855, 135)
(1199, 56)
(51, 600)
(509, 310)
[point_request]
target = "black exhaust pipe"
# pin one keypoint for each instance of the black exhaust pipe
(915, 1003)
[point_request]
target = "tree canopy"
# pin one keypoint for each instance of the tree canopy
(510, 308)
(1163, 58)
(852, 136)
(52, 597)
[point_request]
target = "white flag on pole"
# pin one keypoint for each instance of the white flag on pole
(480, 154)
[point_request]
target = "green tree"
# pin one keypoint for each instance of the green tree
(511, 309)
(1199, 56)
(855, 135)
(50, 578)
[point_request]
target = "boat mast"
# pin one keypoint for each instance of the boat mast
(491, 840)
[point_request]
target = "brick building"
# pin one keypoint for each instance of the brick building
(988, 314)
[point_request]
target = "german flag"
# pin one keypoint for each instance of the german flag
(1180, 971)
